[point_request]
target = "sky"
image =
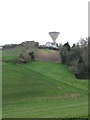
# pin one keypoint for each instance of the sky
(32, 20)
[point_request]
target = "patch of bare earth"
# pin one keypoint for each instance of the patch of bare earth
(71, 95)
(48, 57)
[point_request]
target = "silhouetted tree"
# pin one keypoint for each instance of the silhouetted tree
(67, 46)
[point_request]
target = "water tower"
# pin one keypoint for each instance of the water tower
(54, 36)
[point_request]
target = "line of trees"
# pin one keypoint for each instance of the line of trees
(76, 57)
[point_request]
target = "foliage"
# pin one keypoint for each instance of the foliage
(89, 57)
(32, 55)
(64, 51)
(24, 58)
(67, 46)
(76, 58)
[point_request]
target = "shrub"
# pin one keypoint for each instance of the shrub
(23, 58)
(67, 46)
(32, 55)
(17, 60)
(76, 58)
(64, 52)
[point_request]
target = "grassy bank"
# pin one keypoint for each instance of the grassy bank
(42, 90)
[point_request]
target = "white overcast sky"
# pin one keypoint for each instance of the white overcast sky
(27, 20)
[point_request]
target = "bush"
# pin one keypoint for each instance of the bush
(89, 58)
(17, 60)
(64, 52)
(32, 55)
(24, 58)
(76, 58)
(67, 46)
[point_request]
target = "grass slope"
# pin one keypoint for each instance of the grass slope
(40, 54)
(43, 90)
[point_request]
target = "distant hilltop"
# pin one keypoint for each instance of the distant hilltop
(49, 45)
(24, 44)
(33, 44)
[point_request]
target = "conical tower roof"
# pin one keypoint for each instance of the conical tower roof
(54, 35)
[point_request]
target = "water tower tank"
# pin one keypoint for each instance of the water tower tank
(54, 36)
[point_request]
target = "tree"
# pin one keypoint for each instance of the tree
(76, 57)
(67, 46)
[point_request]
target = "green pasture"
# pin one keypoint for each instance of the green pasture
(42, 90)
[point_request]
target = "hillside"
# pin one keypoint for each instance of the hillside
(42, 90)
(45, 55)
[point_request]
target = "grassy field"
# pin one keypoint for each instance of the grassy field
(10, 54)
(42, 90)
(40, 54)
